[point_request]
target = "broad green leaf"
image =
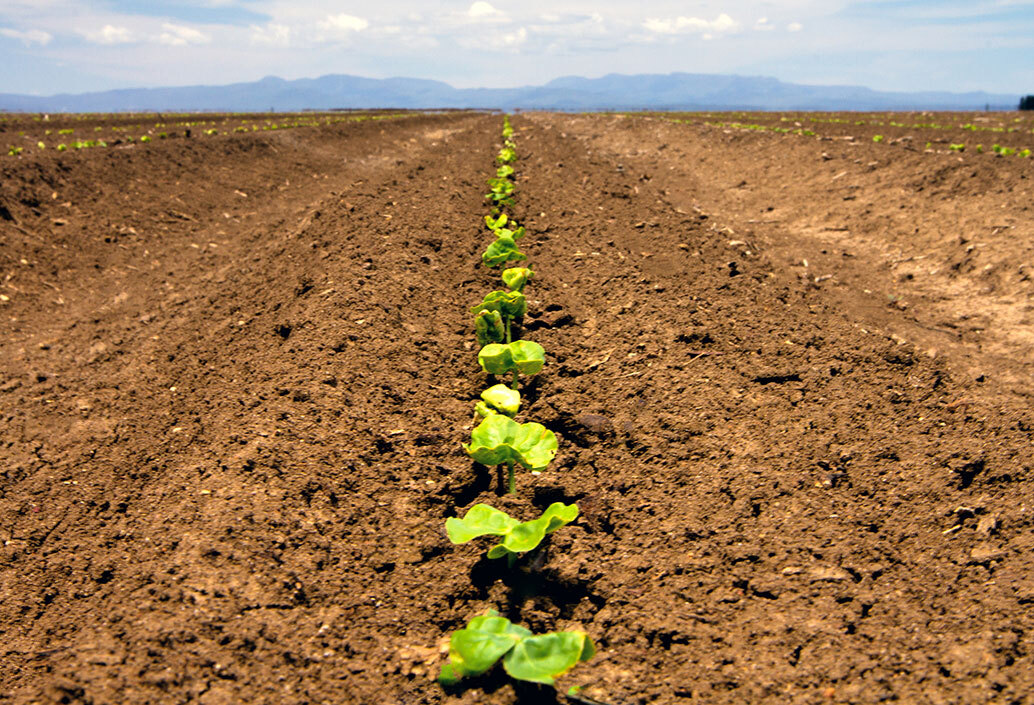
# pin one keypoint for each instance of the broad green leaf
(525, 356)
(502, 399)
(559, 514)
(511, 304)
(490, 441)
(504, 171)
(496, 359)
(489, 328)
(472, 652)
(499, 439)
(516, 277)
(480, 520)
(543, 658)
(528, 357)
(503, 250)
(534, 446)
(524, 537)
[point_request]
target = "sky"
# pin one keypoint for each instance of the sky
(57, 46)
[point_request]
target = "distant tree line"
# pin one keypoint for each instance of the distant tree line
(1027, 102)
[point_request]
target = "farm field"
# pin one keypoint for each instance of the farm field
(790, 376)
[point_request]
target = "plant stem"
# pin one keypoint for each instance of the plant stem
(512, 478)
(508, 336)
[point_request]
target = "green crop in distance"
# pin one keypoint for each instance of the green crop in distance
(877, 138)
(517, 537)
(527, 657)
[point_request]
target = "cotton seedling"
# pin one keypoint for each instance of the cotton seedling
(516, 277)
(538, 658)
(499, 440)
(498, 399)
(516, 537)
(523, 356)
(503, 250)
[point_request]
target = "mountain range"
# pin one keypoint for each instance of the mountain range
(674, 91)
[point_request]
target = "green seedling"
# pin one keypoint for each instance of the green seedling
(489, 327)
(522, 356)
(504, 171)
(957, 147)
(516, 277)
(507, 155)
(503, 250)
(496, 223)
(14, 151)
(62, 147)
(499, 399)
(499, 440)
(509, 304)
(528, 657)
(877, 138)
(517, 537)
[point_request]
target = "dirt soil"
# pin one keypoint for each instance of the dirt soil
(793, 407)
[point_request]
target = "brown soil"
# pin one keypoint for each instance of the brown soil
(236, 376)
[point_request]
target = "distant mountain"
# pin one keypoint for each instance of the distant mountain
(675, 91)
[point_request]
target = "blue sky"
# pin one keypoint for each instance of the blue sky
(52, 46)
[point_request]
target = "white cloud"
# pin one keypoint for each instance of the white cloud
(763, 25)
(339, 27)
(794, 27)
(110, 34)
(481, 9)
(177, 35)
(513, 40)
(28, 37)
(722, 24)
(272, 34)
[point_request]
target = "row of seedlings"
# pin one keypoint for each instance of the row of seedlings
(500, 440)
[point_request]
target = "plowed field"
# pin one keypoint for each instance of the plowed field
(790, 375)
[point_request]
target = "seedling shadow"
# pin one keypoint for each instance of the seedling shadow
(526, 580)
(526, 693)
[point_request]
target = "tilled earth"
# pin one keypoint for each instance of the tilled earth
(236, 376)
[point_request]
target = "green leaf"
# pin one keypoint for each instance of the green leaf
(495, 359)
(543, 658)
(503, 250)
(484, 410)
(525, 356)
(516, 277)
(504, 171)
(528, 357)
(480, 520)
(559, 514)
(502, 399)
(511, 304)
(474, 650)
(489, 328)
(517, 537)
(496, 223)
(534, 446)
(499, 439)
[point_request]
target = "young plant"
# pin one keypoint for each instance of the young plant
(517, 537)
(499, 440)
(528, 657)
(503, 250)
(489, 327)
(499, 399)
(523, 356)
(507, 155)
(516, 277)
